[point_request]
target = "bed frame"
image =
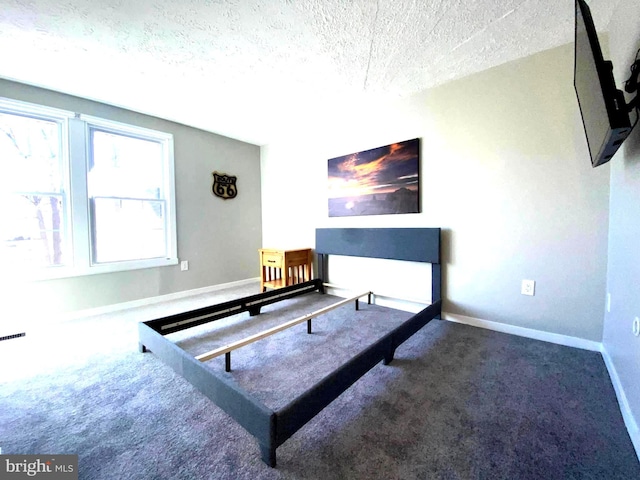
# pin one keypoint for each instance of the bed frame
(270, 427)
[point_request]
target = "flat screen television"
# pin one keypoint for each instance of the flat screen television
(602, 105)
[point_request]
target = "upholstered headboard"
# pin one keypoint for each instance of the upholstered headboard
(409, 244)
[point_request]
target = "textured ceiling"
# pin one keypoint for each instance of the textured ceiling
(253, 69)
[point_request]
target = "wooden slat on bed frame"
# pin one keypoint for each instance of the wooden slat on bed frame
(216, 352)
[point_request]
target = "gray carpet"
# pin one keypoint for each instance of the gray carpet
(457, 402)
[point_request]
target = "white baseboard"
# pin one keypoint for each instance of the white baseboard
(625, 409)
(143, 302)
(525, 332)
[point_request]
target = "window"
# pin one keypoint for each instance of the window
(83, 195)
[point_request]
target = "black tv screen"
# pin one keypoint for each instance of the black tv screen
(602, 106)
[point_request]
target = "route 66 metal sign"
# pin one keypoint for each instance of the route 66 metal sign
(224, 186)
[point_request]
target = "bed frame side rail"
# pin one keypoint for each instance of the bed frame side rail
(252, 304)
(251, 414)
(296, 414)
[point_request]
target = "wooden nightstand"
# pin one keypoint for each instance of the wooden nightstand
(279, 268)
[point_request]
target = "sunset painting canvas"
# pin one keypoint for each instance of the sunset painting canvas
(383, 180)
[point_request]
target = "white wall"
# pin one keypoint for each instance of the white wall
(505, 172)
(219, 238)
(623, 273)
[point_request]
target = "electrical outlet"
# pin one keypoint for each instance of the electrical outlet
(636, 326)
(528, 287)
(184, 265)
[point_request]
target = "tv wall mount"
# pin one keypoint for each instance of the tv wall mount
(632, 83)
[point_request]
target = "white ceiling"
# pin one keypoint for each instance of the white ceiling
(253, 69)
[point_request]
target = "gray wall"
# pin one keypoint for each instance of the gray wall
(505, 172)
(219, 238)
(623, 273)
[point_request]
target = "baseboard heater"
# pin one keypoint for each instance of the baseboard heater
(15, 335)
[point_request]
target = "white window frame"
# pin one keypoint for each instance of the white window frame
(75, 136)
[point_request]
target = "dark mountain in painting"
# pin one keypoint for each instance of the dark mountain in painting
(401, 200)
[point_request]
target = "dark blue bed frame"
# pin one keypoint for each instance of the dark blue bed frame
(273, 427)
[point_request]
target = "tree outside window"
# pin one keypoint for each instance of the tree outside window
(32, 191)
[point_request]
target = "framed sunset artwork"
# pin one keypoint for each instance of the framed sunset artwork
(380, 181)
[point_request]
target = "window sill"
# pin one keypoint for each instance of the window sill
(54, 273)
